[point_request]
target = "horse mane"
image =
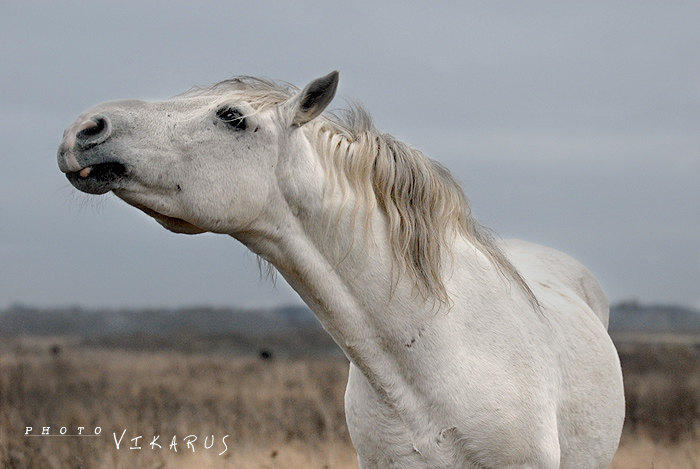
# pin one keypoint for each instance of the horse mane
(425, 206)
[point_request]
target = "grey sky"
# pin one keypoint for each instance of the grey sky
(576, 125)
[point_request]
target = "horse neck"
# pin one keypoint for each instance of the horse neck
(396, 338)
(350, 282)
(334, 249)
(336, 254)
(343, 267)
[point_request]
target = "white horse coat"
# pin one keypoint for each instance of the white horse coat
(464, 352)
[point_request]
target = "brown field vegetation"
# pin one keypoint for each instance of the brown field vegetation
(278, 413)
(662, 393)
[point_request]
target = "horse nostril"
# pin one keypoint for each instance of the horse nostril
(94, 131)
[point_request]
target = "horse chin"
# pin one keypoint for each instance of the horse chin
(176, 225)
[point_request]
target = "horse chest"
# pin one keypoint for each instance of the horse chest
(384, 439)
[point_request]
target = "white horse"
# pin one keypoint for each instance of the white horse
(464, 351)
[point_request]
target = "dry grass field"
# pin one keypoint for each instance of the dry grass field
(662, 392)
(278, 413)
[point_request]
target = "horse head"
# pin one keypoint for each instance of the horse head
(207, 160)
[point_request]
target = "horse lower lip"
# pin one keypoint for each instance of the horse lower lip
(99, 178)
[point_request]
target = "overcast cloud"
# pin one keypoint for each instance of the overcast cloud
(574, 125)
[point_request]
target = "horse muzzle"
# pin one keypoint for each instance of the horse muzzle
(85, 158)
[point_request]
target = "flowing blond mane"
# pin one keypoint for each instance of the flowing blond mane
(425, 206)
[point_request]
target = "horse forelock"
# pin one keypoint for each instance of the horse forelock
(423, 203)
(260, 93)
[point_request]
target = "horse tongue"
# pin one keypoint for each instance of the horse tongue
(85, 172)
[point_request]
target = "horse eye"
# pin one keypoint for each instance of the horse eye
(232, 117)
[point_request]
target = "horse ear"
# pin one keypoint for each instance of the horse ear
(313, 99)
